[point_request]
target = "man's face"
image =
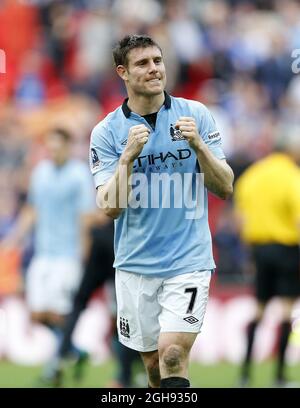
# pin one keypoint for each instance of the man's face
(145, 73)
(58, 148)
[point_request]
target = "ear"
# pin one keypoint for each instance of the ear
(122, 72)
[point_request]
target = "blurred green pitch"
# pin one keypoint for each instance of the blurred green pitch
(99, 376)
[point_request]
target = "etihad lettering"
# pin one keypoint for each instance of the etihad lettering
(151, 159)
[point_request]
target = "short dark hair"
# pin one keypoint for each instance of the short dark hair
(63, 133)
(128, 43)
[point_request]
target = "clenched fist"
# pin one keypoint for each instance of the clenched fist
(137, 137)
(188, 128)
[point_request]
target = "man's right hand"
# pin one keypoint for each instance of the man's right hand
(137, 138)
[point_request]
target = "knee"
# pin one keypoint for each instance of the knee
(173, 356)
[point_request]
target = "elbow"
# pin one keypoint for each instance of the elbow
(227, 192)
(228, 187)
(112, 213)
(109, 211)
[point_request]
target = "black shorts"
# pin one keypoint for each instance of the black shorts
(277, 271)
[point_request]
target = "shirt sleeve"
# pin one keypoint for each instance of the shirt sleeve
(87, 202)
(33, 183)
(210, 133)
(103, 156)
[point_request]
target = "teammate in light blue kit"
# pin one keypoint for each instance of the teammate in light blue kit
(60, 201)
(163, 253)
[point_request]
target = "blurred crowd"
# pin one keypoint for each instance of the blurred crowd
(233, 55)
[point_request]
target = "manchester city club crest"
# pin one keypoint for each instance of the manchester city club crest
(124, 327)
(175, 134)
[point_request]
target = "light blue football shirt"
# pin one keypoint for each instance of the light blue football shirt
(60, 195)
(158, 241)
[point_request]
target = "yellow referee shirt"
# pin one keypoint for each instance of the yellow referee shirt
(267, 197)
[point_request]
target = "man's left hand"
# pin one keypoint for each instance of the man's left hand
(188, 128)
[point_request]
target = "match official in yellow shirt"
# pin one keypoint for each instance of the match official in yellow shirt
(267, 202)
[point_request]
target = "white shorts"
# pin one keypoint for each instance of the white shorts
(51, 284)
(148, 306)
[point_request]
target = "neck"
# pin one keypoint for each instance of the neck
(143, 105)
(59, 162)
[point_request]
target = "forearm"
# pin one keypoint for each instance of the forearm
(22, 227)
(218, 176)
(113, 197)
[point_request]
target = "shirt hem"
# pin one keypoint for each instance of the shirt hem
(168, 273)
